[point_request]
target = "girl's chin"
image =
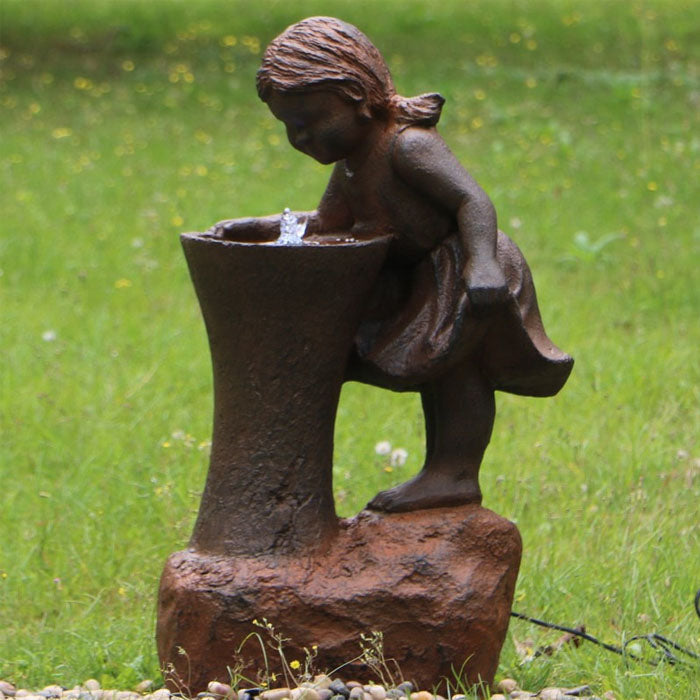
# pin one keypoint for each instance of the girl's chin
(323, 158)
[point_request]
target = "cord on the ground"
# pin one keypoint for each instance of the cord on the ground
(665, 646)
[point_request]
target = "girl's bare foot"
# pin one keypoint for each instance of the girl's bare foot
(429, 489)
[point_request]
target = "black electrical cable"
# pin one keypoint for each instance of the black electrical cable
(656, 641)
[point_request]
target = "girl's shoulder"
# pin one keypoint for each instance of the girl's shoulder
(407, 139)
(418, 146)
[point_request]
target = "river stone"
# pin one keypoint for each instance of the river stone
(551, 694)
(7, 689)
(339, 688)
(276, 694)
(377, 692)
(438, 583)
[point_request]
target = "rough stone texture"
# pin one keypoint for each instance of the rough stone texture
(438, 583)
(280, 322)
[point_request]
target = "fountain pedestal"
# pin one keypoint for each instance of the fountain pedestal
(437, 583)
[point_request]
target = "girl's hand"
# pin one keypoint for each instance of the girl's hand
(248, 229)
(486, 284)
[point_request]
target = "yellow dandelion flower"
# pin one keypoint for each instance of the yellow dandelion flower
(515, 38)
(294, 664)
(177, 220)
(479, 94)
(652, 186)
(81, 83)
(122, 283)
(229, 40)
(61, 132)
(128, 66)
(531, 82)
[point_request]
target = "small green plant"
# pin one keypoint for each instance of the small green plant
(588, 250)
(372, 654)
(172, 676)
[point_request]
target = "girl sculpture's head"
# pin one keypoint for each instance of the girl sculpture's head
(326, 54)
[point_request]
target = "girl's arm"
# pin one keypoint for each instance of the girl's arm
(332, 215)
(423, 160)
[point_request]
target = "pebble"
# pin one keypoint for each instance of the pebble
(144, 687)
(161, 694)
(406, 687)
(422, 695)
(551, 694)
(322, 682)
(357, 693)
(91, 684)
(522, 694)
(220, 689)
(339, 688)
(497, 696)
(325, 694)
(376, 692)
(276, 694)
(306, 694)
(507, 685)
(340, 697)
(395, 694)
(7, 689)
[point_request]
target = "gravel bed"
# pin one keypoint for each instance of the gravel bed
(321, 688)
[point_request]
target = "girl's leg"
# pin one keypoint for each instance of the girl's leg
(459, 412)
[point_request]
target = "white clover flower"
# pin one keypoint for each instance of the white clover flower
(382, 448)
(49, 336)
(398, 457)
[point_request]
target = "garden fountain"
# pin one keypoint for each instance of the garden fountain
(400, 279)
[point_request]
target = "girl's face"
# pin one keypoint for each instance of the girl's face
(320, 123)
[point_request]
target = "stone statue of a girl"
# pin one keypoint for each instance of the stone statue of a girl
(454, 314)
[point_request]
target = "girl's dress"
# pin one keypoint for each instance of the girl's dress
(419, 323)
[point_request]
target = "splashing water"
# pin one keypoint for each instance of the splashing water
(291, 229)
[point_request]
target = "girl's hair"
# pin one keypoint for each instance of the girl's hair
(323, 53)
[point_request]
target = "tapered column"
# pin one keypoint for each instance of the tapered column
(280, 322)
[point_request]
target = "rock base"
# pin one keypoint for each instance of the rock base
(437, 583)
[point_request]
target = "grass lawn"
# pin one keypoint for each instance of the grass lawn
(124, 123)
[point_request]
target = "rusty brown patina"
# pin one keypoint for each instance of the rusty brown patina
(402, 281)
